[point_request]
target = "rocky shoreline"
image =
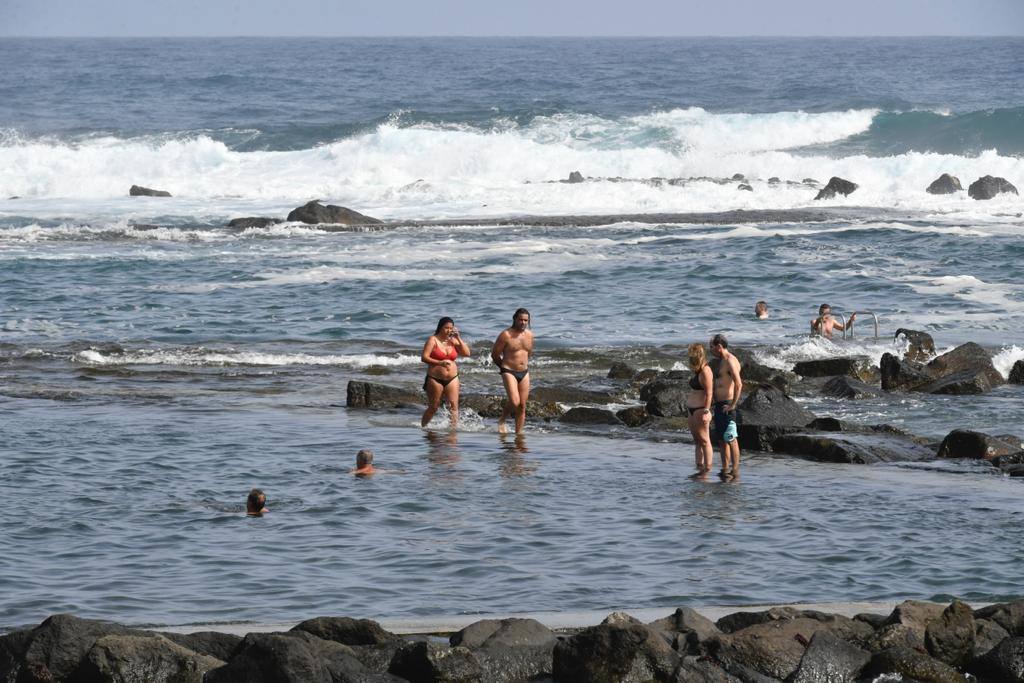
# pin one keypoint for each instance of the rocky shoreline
(772, 420)
(918, 641)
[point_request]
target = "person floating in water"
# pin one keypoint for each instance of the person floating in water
(364, 463)
(442, 380)
(511, 353)
(728, 387)
(825, 323)
(761, 310)
(256, 503)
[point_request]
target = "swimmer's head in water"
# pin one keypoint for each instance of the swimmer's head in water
(364, 458)
(256, 501)
(696, 357)
(761, 309)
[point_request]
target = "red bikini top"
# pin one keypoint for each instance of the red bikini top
(438, 354)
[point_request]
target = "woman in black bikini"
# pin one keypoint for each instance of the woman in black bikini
(698, 407)
(442, 381)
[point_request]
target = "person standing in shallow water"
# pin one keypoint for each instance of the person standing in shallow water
(442, 381)
(728, 388)
(698, 407)
(511, 353)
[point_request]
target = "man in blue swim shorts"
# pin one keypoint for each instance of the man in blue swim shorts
(728, 389)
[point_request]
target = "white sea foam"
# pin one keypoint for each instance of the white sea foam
(204, 357)
(1003, 296)
(444, 171)
(817, 348)
(1006, 357)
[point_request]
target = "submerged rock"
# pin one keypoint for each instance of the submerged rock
(139, 191)
(852, 448)
(988, 187)
(836, 186)
(965, 443)
(252, 222)
(588, 415)
(316, 213)
(945, 184)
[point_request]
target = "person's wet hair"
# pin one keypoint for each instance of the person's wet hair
(442, 322)
(696, 356)
(761, 306)
(256, 501)
(822, 308)
(519, 312)
(364, 458)
(720, 340)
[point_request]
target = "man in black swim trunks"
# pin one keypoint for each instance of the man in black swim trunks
(511, 353)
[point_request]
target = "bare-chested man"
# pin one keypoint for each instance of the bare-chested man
(825, 323)
(728, 387)
(511, 353)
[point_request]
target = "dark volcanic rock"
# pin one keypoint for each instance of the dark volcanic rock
(766, 414)
(693, 628)
(424, 662)
(969, 356)
(621, 370)
(1009, 615)
(490, 406)
(831, 659)
(754, 372)
(371, 395)
(964, 443)
(211, 643)
(55, 649)
(252, 222)
(912, 665)
(967, 383)
(666, 397)
(143, 659)
(894, 635)
(593, 416)
(945, 184)
(347, 631)
(852, 448)
(915, 615)
(772, 649)
(950, 638)
(504, 632)
(987, 634)
(847, 387)
(988, 187)
(575, 177)
(738, 176)
(1004, 662)
(139, 191)
(628, 653)
(836, 186)
(1017, 373)
(634, 416)
(509, 649)
(853, 366)
(902, 375)
(744, 187)
(920, 345)
(316, 213)
(290, 657)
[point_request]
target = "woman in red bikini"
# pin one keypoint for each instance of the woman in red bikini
(442, 381)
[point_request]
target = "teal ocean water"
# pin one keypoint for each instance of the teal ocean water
(156, 364)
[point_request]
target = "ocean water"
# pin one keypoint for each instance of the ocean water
(155, 364)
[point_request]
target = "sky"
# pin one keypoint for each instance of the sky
(510, 17)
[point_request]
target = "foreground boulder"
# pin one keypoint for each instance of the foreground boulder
(829, 658)
(920, 345)
(912, 665)
(316, 213)
(901, 374)
(1004, 662)
(988, 187)
(768, 413)
(915, 615)
(424, 662)
(614, 653)
(139, 191)
(691, 630)
(945, 184)
(347, 631)
(144, 659)
(1009, 615)
(509, 649)
(950, 638)
(836, 186)
(964, 443)
(211, 643)
(54, 650)
(772, 649)
(292, 657)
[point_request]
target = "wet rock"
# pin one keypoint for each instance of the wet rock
(873, 620)
(210, 643)
(634, 416)
(645, 377)
(852, 448)
(505, 632)
(950, 638)
(423, 662)
(894, 635)
(12, 653)
(964, 443)
(754, 372)
(1004, 662)
(702, 670)
(614, 654)
(143, 659)
(920, 345)
(347, 631)
(292, 656)
(766, 414)
(620, 619)
(901, 374)
(849, 388)
(988, 187)
(1017, 373)
(967, 383)
(252, 222)
(315, 213)
(54, 650)
(836, 186)
(1009, 615)
(945, 184)
(666, 397)
(491, 405)
(915, 615)
(139, 191)
(575, 177)
(969, 356)
(744, 187)
(692, 628)
(774, 180)
(509, 649)
(738, 176)
(621, 370)
(830, 659)
(773, 648)
(912, 665)
(361, 394)
(567, 394)
(582, 415)
(987, 634)
(851, 366)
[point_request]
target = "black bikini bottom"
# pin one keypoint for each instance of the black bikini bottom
(442, 382)
(520, 375)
